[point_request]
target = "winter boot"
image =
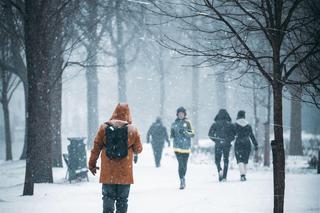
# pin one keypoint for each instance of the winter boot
(225, 171)
(220, 175)
(182, 183)
(243, 178)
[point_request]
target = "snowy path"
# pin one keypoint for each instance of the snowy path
(156, 191)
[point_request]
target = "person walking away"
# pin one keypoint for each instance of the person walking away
(118, 141)
(182, 132)
(242, 147)
(222, 133)
(157, 134)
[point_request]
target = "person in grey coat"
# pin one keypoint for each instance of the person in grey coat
(242, 146)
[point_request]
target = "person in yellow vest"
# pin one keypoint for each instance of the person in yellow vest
(182, 132)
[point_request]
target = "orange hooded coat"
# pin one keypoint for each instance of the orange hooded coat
(116, 171)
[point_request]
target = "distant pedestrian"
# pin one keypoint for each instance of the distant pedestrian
(222, 133)
(182, 132)
(157, 134)
(118, 141)
(242, 146)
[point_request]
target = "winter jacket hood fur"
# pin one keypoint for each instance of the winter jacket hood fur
(242, 122)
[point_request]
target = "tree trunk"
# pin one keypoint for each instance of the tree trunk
(5, 82)
(266, 155)
(92, 100)
(37, 46)
(256, 118)
(278, 151)
(92, 75)
(6, 114)
(162, 82)
(19, 63)
(56, 97)
(39, 155)
(266, 150)
(195, 99)
(255, 108)
(162, 92)
(122, 87)
(55, 122)
(24, 149)
(221, 93)
(295, 146)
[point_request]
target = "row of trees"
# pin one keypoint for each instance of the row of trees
(40, 40)
(229, 32)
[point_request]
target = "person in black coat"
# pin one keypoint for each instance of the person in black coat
(242, 147)
(158, 135)
(222, 133)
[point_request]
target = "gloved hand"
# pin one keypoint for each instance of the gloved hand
(135, 158)
(93, 170)
(181, 131)
(184, 132)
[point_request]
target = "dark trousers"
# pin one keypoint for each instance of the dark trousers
(219, 150)
(115, 194)
(183, 162)
(157, 152)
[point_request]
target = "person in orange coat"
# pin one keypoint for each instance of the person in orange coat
(116, 176)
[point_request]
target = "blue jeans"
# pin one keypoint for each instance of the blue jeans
(115, 194)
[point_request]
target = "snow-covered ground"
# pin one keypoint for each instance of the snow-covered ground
(156, 190)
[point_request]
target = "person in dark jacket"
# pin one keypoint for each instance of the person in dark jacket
(182, 132)
(222, 133)
(242, 146)
(158, 135)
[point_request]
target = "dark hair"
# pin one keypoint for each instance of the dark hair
(182, 109)
(158, 120)
(241, 114)
(222, 115)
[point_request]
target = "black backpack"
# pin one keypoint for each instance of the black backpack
(116, 141)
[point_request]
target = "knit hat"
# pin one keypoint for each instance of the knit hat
(241, 114)
(181, 109)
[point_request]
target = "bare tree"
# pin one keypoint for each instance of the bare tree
(12, 24)
(154, 30)
(90, 25)
(62, 47)
(124, 29)
(42, 58)
(8, 84)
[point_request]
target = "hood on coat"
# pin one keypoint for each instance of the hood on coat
(222, 115)
(242, 122)
(121, 115)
